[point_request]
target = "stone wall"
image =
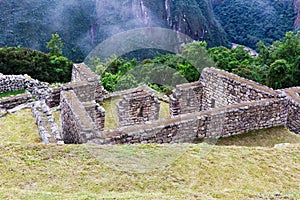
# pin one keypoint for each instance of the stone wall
(187, 98)
(230, 120)
(221, 88)
(137, 108)
(53, 99)
(76, 124)
(47, 126)
(97, 113)
(12, 83)
(82, 72)
(13, 101)
(293, 96)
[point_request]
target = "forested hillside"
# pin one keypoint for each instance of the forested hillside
(84, 24)
(248, 22)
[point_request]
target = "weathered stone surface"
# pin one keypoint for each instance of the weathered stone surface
(47, 126)
(138, 107)
(223, 122)
(220, 104)
(14, 101)
(293, 121)
(76, 124)
(221, 89)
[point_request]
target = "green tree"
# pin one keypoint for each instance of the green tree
(55, 45)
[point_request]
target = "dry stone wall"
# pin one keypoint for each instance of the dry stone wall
(47, 126)
(221, 89)
(76, 124)
(235, 119)
(138, 107)
(13, 101)
(293, 96)
(10, 83)
(53, 98)
(187, 98)
(82, 72)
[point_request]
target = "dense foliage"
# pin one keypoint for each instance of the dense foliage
(248, 22)
(277, 66)
(162, 73)
(38, 65)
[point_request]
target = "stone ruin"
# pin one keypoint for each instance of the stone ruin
(138, 107)
(220, 104)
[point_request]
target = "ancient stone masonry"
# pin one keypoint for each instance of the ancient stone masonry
(48, 129)
(221, 88)
(13, 101)
(81, 73)
(12, 83)
(220, 104)
(293, 96)
(236, 119)
(89, 115)
(186, 99)
(87, 87)
(53, 99)
(138, 107)
(76, 124)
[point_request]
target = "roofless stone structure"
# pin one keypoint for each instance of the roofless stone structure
(220, 104)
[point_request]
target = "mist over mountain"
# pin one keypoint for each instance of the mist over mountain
(84, 24)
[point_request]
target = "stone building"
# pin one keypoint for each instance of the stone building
(220, 104)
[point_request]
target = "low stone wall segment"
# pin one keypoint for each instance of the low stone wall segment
(235, 119)
(187, 98)
(47, 126)
(13, 101)
(137, 108)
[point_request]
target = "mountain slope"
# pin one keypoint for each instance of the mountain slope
(83, 24)
(248, 22)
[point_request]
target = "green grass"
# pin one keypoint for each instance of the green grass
(56, 115)
(19, 128)
(111, 117)
(265, 138)
(7, 94)
(248, 168)
(164, 111)
(200, 172)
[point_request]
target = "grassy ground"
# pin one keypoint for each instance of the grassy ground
(265, 138)
(18, 128)
(111, 112)
(7, 94)
(201, 172)
(251, 170)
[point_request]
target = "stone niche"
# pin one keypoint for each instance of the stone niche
(137, 108)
